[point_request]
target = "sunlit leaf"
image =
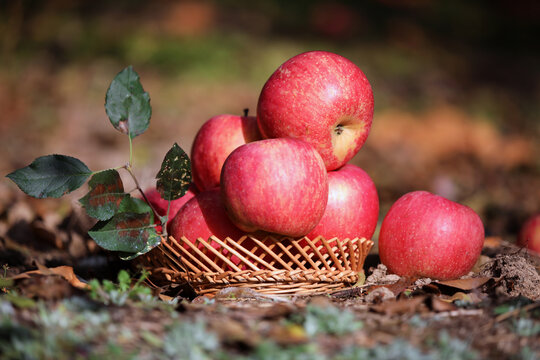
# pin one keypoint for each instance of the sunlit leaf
(174, 178)
(134, 205)
(127, 104)
(126, 232)
(51, 176)
(105, 196)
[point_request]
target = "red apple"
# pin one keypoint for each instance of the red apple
(321, 98)
(426, 235)
(204, 216)
(352, 210)
(275, 185)
(529, 235)
(216, 139)
(160, 204)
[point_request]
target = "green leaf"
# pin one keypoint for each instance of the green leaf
(19, 301)
(51, 176)
(174, 178)
(106, 195)
(126, 232)
(134, 205)
(127, 104)
(131, 256)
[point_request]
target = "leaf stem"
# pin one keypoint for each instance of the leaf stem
(130, 151)
(166, 220)
(130, 171)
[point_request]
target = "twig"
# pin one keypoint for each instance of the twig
(459, 312)
(349, 293)
(515, 312)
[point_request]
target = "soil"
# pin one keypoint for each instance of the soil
(51, 260)
(517, 273)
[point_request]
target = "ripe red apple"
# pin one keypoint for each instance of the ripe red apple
(216, 139)
(426, 235)
(321, 98)
(203, 216)
(352, 210)
(160, 204)
(529, 235)
(275, 185)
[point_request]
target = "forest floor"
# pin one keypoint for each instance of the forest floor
(64, 298)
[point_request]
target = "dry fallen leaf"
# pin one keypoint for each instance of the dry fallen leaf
(64, 271)
(439, 305)
(277, 311)
(465, 284)
(492, 242)
(403, 284)
(403, 306)
(232, 331)
(461, 296)
(45, 287)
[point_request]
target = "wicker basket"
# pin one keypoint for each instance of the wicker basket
(270, 265)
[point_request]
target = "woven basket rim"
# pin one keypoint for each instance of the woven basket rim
(270, 265)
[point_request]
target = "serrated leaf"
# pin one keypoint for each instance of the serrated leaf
(105, 196)
(174, 178)
(126, 232)
(131, 256)
(51, 176)
(127, 104)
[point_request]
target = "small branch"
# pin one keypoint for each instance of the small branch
(518, 311)
(458, 313)
(350, 293)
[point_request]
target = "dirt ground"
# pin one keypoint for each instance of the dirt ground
(48, 261)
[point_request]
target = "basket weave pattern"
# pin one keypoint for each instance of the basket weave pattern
(269, 265)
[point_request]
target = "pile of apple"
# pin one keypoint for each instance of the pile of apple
(285, 173)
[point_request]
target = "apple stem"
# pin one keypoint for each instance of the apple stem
(246, 112)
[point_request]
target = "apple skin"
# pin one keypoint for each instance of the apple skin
(276, 185)
(529, 236)
(321, 98)
(426, 235)
(352, 210)
(214, 141)
(160, 204)
(203, 216)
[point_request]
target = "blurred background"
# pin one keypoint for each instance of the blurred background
(456, 84)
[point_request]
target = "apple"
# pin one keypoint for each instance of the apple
(529, 236)
(352, 210)
(203, 216)
(426, 235)
(160, 204)
(275, 185)
(321, 98)
(214, 141)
